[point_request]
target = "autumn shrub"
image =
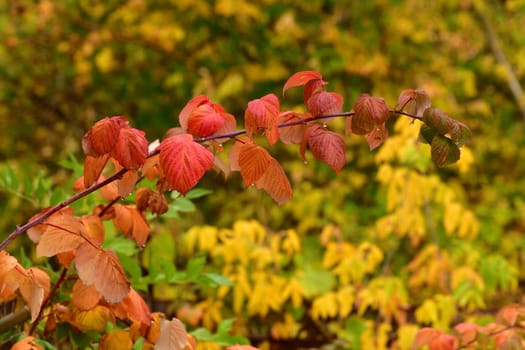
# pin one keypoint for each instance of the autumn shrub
(105, 277)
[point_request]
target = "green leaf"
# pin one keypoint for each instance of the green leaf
(426, 134)
(222, 337)
(213, 280)
(194, 267)
(121, 245)
(198, 192)
(443, 151)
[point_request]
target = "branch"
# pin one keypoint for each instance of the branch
(39, 220)
(492, 38)
(13, 319)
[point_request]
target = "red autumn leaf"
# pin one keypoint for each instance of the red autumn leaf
(325, 103)
(131, 223)
(275, 183)
(103, 136)
(134, 308)
(313, 87)
(510, 314)
(102, 269)
(253, 162)
(204, 121)
(377, 136)
(229, 126)
(184, 161)
(438, 120)
(173, 336)
(301, 78)
(369, 111)
(435, 340)
(131, 149)
(64, 233)
(413, 101)
(188, 109)
(93, 167)
(468, 332)
(84, 297)
(291, 134)
(233, 155)
(326, 146)
(263, 114)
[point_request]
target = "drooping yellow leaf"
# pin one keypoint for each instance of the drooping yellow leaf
(116, 340)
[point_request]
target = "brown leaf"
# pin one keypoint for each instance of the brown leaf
(102, 269)
(327, 146)
(413, 101)
(173, 336)
(377, 136)
(84, 297)
(63, 233)
(184, 161)
(151, 168)
(253, 162)
(369, 112)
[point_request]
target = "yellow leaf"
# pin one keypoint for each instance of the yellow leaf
(116, 340)
(95, 319)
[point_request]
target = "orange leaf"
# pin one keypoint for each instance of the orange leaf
(134, 308)
(103, 136)
(377, 136)
(131, 223)
(64, 233)
(131, 148)
(313, 87)
(301, 78)
(7, 262)
(229, 126)
(32, 292)
(151, 168)
(510, 314)
(188, 109)
(95, 319)
(241, 347)
(325, 103)
(94, 229)
(190, 314)
(291, 134)
(253, 162)
(102, 269)
(326, 146)
(204, 121)
(93, 167)
(275, 183)
(263, 114)
(173, 336)
(369, 111)
(84, 297)
(116, 340)
(28, 343)
(127, 183)
(184, 161)
(425, 336)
